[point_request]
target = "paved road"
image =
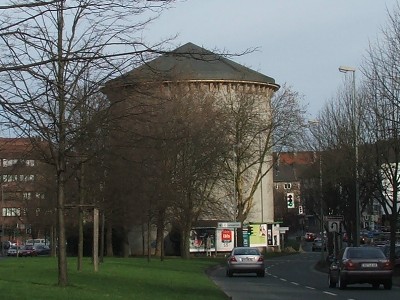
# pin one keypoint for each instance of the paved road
(294, 277)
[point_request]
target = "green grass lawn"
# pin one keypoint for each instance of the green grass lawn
(117, 278)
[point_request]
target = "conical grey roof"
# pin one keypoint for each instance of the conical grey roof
(193, 63)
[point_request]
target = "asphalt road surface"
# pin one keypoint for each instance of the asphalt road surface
(294, 277)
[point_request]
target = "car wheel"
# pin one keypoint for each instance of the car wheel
(342, 283)
(330, 282)
(375, 286)
(229, 273)
(388, 285)
(261, 274)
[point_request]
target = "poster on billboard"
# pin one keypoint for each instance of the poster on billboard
(211, 239)
(264, 234)
(225, 239)
(258, 235)
(199, 238)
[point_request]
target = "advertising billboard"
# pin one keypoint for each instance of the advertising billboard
(211, 239)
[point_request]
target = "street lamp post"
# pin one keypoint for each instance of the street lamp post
(345, 69)
(234, 184)
(235, 200)
(317, 123)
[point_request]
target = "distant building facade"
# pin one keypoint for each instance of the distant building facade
(296, 173)
(23, 190)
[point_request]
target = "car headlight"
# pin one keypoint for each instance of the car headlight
(334, 267)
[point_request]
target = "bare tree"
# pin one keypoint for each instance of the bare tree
(258, 125)
(382, 93)
(50, 50)
(335, 137)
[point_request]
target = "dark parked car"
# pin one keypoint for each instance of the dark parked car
(318, 244)
(42, 249)
(361, 265)
(245, 260)
(27, 250)
(309, 236)
(386, 251)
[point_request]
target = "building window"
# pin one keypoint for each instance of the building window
(11, 196)
(9, 162)
(39, 196)
(27, 195)
(287, 186)
(11, 212)
(30, 162)
(12, 162)
(28, 178)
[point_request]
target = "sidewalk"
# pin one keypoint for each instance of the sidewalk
(396, 279)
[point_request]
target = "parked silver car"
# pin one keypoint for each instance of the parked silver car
(13, 251)
(245, 260)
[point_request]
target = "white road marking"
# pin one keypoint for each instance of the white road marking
(329, 293)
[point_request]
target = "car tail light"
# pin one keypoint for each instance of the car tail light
(232, 258)
(387, 265)
(349, 265)
(261, 258)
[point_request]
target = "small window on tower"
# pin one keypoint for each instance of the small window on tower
(288, 186)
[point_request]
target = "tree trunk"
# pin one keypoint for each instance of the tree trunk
(160, 234)
(393, 225)
(102, 237)
(80, 221)
(185, 243)
(148, 239)
(62, 251)
(109, 252)
(53, 240)
(125, 245)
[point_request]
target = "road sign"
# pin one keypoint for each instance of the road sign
(333, 218)
(334, 226)
(229, 224)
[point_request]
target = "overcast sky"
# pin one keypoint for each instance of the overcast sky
(301, 42)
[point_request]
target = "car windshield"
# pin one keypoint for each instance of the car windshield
(365, 253)
(246, 252)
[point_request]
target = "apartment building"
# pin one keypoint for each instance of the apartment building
(23, 190)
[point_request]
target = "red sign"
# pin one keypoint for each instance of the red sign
(226, 236)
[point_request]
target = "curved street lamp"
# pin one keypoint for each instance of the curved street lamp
(346, 69)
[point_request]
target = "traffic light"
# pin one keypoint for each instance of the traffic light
(301, 210)
(290, 200)
(249, 230)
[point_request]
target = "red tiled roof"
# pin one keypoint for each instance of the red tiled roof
(300, 158)
(12, 147)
